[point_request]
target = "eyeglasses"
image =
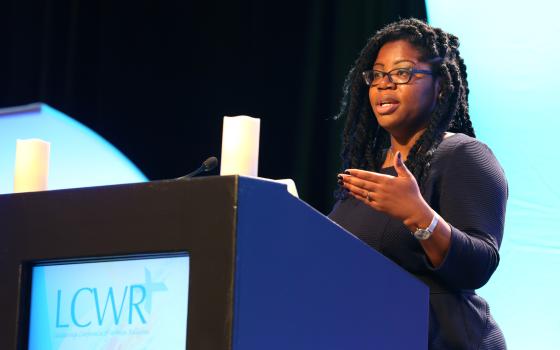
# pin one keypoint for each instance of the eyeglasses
(396, 76)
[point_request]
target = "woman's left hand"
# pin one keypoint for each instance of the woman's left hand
(398, 196)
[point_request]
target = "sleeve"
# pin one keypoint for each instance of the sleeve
(473, 200)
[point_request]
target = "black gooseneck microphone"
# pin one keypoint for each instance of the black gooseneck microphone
(207, 165)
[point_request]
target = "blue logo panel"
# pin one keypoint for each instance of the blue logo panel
(124, 304)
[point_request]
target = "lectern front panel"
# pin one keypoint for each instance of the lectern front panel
(135, 221)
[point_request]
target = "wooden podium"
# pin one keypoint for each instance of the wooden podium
(267, 270)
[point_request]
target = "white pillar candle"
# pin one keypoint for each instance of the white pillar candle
(240, 146)
(32, 165)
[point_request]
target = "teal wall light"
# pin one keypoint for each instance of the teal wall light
(79, 157)
(512, 54)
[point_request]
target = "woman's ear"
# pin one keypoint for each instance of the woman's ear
(437, 88)
(438, 93)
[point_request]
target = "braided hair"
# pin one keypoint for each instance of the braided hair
(364, 142)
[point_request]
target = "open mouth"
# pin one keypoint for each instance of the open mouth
(386, 107)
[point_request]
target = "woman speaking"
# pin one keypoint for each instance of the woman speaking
(417, 186)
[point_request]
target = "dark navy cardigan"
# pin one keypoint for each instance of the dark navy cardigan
(467, 187)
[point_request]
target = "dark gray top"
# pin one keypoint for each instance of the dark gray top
(467, 187)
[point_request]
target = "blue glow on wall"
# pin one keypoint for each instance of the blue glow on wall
(79, 157)
(512, 53)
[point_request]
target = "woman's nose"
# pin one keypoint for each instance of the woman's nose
(386, 83)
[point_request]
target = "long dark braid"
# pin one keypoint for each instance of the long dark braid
(364, 141)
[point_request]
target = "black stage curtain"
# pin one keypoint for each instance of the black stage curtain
(156, 77)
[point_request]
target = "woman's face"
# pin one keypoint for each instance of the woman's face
(403, 109)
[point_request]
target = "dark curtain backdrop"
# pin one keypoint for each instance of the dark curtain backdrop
(155, 77)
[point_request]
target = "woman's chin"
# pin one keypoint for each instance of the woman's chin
(387, 121)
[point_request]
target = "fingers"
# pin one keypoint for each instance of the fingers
(400, 167)
(371, 201)
(356, 184)
(385, 193)
(358, 190)
(368, 175)
(362, 190)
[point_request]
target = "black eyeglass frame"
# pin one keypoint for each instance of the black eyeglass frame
(411, 70)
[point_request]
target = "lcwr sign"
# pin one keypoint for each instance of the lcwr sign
(132, 297)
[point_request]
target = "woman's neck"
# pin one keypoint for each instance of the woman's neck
(405, 143)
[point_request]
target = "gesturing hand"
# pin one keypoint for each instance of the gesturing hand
(397, 196)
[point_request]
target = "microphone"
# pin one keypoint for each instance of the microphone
(207, 165)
